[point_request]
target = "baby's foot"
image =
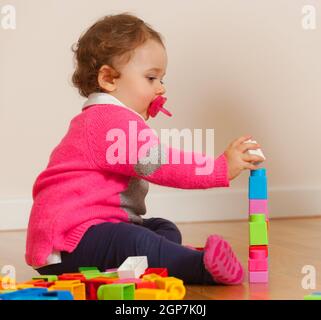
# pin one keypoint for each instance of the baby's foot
(221, 262)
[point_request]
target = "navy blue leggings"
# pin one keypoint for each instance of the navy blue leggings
(107, 245)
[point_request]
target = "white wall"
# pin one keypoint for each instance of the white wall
(236, 66)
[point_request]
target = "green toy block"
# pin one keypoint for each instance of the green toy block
(312, 297)
(116, 291)
(109, 275)
(91, 275)
(47, 278)
(258, 230)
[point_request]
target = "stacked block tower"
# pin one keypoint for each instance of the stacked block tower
(258, 227)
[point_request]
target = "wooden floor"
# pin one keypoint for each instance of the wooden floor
(294, 243)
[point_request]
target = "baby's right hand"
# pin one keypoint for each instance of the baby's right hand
(237, 158)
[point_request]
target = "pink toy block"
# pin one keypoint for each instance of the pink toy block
(258, 247)
(257, 260)
(258, 206)
(129, 280)
(258, 276)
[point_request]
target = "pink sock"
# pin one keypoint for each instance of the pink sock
(221, 262)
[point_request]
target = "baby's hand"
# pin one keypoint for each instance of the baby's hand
(237, 158)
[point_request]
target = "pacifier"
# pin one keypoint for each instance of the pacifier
(156, 106)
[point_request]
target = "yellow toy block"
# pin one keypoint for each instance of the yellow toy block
(76, 288)
(6, 291)
(32, 282)
(21, 286)
(151, 277)
(151, 294)
(174, 286)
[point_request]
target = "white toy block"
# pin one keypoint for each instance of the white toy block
(257, 152)
(132, 267)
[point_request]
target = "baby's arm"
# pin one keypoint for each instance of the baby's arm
(112, 145)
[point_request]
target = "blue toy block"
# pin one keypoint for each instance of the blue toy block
(258, 184)
(58, 295)
(50, 295)
(15, 295)
(32, 297)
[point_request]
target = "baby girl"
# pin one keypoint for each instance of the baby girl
(89, 202)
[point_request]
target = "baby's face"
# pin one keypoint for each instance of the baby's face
(141, 78)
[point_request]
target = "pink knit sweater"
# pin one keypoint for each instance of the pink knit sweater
(83, 185)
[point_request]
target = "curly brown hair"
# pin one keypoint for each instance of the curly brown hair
(110, 41)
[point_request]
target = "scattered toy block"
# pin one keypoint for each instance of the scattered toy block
(174, 286)
(6, 291)
(111, 273)
(74, 286)
(151, 277)
(92, 286)
(72, 276)
(90, 283)
(46, 277)
(22, 294)
(118, 291)
(163, 272)
(151, 294)
(22, 286)
(58, 295)
(33, 282)
(129, 280)
(88, 269)
(133, 267)
(92, 275)
(312, 297)
(146, 284)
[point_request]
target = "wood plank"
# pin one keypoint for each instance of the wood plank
(293, 244)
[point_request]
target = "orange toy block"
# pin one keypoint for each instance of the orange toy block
(151, 294)
(77, 289)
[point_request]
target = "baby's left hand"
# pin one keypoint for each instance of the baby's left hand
(239, 159)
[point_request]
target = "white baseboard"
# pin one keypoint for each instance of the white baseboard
(194, 205)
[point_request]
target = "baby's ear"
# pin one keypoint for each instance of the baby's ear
(106, 78)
